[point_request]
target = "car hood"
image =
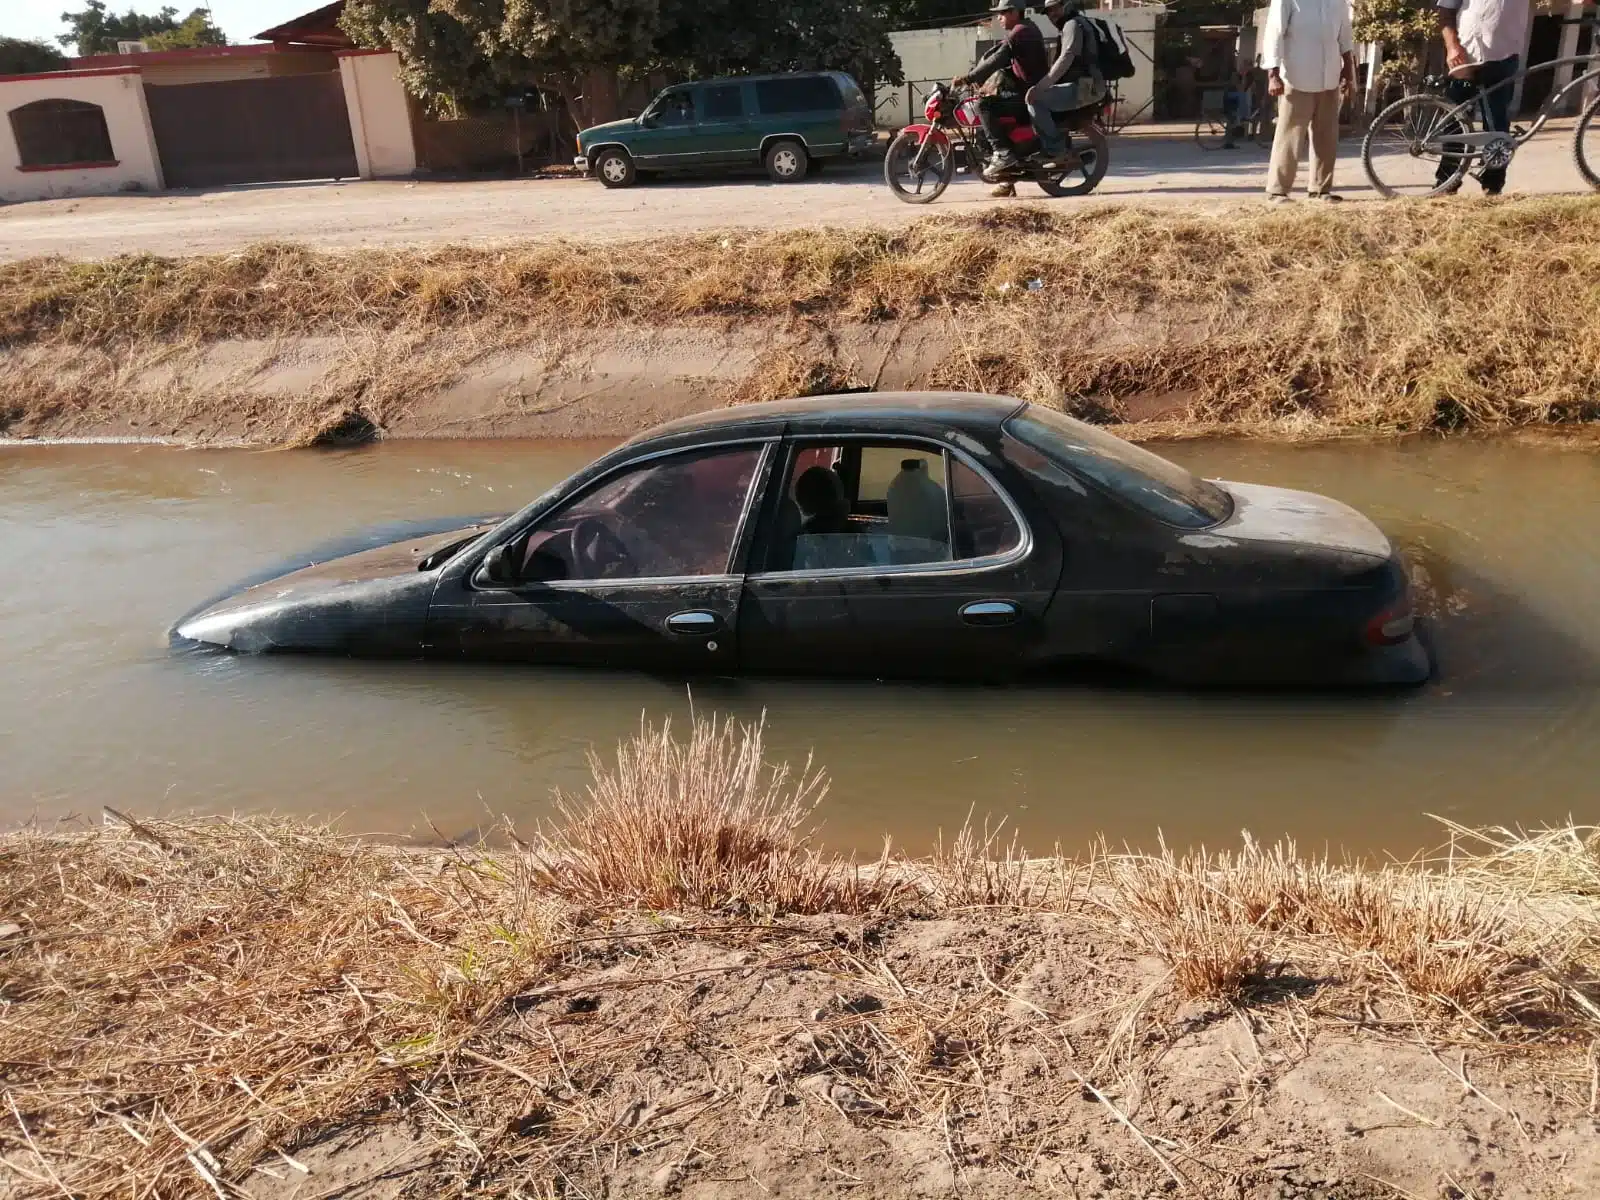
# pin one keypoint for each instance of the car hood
(610, 127)
(357, 573)
(1271, 514)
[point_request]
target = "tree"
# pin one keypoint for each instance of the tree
(95, 31)
(1405, 27)
(471, 51)
(19, 57)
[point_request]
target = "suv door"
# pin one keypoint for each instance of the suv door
(807, 106)
(668, 133)
(726, 133)
(638, 570)
(893, 556)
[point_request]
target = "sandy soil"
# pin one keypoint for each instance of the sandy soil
(1053, 1062)
(1164, 165)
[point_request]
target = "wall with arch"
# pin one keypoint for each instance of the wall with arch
(134, 166)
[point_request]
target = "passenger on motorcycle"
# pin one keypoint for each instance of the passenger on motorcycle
(1073, 81)
(1022, 50)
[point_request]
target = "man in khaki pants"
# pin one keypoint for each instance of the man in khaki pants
(1310, 61)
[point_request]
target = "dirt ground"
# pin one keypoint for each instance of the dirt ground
(1162, 165)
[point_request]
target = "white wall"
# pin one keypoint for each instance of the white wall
(120, 95)
(380, 117)
(930, 54)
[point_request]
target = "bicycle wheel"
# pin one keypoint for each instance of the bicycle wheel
(1406, 151)
(1211, 131)
(1586, 144)
(916, 173)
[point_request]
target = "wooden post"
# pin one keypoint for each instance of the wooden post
(1569, 48)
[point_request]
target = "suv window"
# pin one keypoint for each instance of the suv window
(673, 108)
(1149, 482)
(673, 516)
(876, 505)
(725, 102)
(799, 94)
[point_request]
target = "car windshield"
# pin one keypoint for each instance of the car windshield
(1162, 489)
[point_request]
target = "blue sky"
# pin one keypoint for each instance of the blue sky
(239, 19)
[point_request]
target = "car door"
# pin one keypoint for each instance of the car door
(725, 133)
(894, 557)
(668, 133)
(636, 570)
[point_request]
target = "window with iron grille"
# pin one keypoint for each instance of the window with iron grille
(55, 133)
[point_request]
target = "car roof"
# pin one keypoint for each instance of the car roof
(969, 412)
(761, 78)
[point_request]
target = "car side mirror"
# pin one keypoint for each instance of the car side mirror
(500, 565)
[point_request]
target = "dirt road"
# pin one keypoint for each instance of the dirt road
(1162, 167)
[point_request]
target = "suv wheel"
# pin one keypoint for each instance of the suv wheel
(787, 161)
(615, 169)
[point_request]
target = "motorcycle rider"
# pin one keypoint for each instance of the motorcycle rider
(1073, 81)
(1023, 51)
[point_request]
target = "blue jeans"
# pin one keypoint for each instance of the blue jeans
(1495, 109)
(1051, 100)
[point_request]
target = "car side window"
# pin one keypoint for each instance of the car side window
(725, 102)
(798, 94)
(675, 108)
(874, 505)
(674, 516)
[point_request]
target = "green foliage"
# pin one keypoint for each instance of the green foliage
(474, 50)
(19, 57)
(1405, 27)
(93, 30)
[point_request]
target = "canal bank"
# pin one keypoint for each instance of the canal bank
(672, 990)
(1170, 323)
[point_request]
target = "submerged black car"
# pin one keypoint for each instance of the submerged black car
(879, 534)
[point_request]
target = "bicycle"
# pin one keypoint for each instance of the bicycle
(1215, 130)
(1411, 146)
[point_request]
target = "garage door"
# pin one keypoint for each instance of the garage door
(253, 130)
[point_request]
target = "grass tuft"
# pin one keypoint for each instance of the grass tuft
(704, 823)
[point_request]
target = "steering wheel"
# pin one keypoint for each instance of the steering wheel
(597, 552)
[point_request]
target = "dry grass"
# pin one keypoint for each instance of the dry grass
(706, 824)
(188, 1002)
(1428, 317)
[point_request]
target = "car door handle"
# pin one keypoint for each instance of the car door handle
(989, 612)
(694, 621)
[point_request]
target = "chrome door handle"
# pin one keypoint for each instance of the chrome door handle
(989, 612)
(694, 622)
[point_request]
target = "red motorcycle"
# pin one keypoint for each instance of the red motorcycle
(922, 158)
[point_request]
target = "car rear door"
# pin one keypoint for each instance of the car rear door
(726, 133)
(637, 571)
(876, 587)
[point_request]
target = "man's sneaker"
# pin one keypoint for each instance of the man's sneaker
(1004, 190)
(1452, 188)
(1327, 197)
(1276, 198)
(1065, 161)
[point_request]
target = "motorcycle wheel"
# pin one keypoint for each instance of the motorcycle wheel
(918, 183)
(1091, 169)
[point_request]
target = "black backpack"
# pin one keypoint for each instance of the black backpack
(1110, 50)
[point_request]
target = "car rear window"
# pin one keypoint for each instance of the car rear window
(852, 94)
(801, 93)
(1149, 482)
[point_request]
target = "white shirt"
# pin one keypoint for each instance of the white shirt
(1491, 29)
(1306, 40)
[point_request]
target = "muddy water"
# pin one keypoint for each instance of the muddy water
(103, 546)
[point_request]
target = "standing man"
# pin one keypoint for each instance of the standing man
(1023, 51)
(1490, 34)
(1310, 61)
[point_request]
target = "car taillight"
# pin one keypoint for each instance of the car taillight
(1393, 625)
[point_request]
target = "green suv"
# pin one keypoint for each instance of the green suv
(791, 124)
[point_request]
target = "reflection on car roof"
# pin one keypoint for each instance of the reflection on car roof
(970, 411)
